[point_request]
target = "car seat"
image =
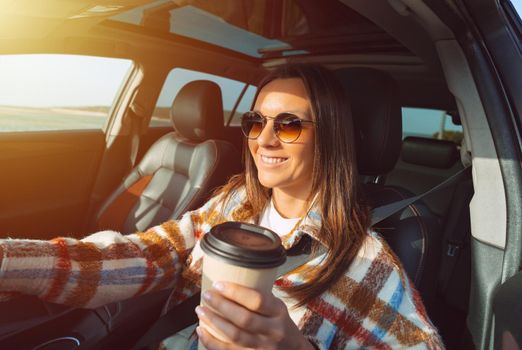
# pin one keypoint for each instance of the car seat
(180, 169)
(424, 163)
(413, 233)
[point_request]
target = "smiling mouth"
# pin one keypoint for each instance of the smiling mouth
(273, 160)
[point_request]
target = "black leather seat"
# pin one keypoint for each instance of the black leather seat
(180, 169)
(414, 233)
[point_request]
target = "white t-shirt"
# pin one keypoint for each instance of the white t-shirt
(272, 220)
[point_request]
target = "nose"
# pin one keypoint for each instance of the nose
(268, 136)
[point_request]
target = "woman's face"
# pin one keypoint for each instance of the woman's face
(284, 166)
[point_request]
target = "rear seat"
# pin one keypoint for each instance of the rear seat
(423, 164)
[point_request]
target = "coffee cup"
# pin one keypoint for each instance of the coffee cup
(242, 253)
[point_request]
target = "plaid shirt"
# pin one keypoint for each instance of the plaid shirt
(373, 305)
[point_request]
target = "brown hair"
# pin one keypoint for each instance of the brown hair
(344, 220)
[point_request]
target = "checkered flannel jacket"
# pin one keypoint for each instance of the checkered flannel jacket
(373, 305)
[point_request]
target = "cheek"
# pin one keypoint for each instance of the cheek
(309, 151)
(308, 158)
(304, 157)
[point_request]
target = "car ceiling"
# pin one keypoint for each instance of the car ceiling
(400, 44)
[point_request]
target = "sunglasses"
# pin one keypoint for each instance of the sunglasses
(287, 126)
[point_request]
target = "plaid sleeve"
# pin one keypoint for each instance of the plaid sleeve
(103, 267)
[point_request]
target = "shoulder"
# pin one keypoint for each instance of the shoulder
(379, 271)
(221, 205)
(375, 256)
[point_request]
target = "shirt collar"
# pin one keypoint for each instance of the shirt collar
(310, 225)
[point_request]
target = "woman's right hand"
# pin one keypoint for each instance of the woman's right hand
(249, 319)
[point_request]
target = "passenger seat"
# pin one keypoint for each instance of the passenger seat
(180, 170)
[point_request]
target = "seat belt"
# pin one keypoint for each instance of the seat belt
(383, 212)
(135, 115)
(170, 323)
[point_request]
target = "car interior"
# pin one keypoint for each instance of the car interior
(179, 170)
(163, 150)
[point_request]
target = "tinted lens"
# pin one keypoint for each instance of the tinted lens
(252, 124)
(288, 127)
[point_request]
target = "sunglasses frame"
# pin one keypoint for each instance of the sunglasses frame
(275, 126)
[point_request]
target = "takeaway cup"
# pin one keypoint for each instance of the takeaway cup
(242, 253)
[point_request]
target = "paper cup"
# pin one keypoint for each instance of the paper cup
(245, 254)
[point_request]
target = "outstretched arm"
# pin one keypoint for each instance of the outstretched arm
(103, 267)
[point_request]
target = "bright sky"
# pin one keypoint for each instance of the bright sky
(60, 80)
(425, 121)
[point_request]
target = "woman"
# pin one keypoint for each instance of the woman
(300, 181)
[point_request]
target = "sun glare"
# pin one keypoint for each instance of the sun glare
(60, 80)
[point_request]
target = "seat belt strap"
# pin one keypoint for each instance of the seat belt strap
(383, 212)
(136, 120)
(170, 323)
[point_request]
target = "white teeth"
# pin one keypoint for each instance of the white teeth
(272, 160)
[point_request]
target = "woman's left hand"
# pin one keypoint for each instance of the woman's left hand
(249, 318)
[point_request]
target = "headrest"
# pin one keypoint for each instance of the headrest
(429, 152)
(197, 111)
(376, 110)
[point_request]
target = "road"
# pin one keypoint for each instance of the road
(32, 119)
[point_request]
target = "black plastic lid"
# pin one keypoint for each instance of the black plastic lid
(244, 245)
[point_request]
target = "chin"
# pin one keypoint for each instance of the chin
(268, 183)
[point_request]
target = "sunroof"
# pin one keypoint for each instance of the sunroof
(266, 29)
(197, 23)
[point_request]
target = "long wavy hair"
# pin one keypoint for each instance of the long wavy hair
(344, 220)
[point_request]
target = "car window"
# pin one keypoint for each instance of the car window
(513, 10)
(430, 123)
(231, 91)
(244, 105)
(43, 92)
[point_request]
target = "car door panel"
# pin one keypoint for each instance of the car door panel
(46, 180)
